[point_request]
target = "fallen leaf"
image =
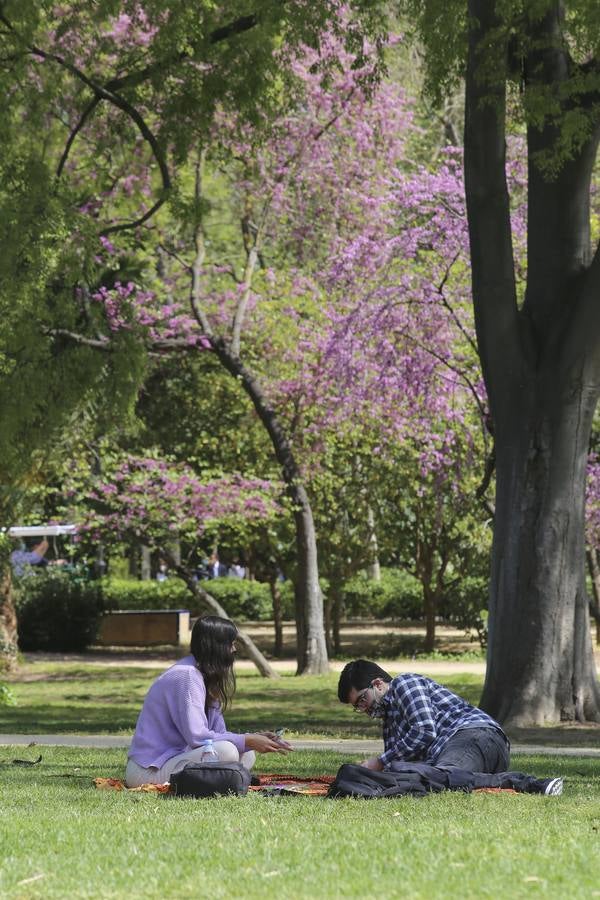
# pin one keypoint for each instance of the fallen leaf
(33, 878)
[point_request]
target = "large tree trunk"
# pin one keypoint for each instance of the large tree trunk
(311, 650)
(541, 364)
(540, 660)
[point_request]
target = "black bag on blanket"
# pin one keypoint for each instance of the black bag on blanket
(210, 779)
(416, 779)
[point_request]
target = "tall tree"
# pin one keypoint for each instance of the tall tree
(540, 352)
(162, 69)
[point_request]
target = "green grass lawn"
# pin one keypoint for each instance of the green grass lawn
(70, 697)
(92, 699)
(62, 838)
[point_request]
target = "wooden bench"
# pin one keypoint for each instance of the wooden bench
(144, 627)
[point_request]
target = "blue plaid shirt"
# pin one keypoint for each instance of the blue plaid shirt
(420, 717)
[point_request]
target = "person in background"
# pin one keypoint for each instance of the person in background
(184, 708)
(32, 553)
(216, 569)
(237, 570)
(163, 571)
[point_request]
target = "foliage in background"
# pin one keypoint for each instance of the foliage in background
(57, 611)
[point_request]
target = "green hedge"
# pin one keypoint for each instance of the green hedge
(398, 596)
(466, 605)
(241, 599)
(123, 593)
(57, 611)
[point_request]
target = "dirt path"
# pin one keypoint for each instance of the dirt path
(160, 661)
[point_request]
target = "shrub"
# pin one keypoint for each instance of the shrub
(241, 599)
(7, 698)
(123, 593)
(466, 605)
(57, 611)
(398, 595)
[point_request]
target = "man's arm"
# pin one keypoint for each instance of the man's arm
(412, 712)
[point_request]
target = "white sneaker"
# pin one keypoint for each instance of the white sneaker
(554, 788)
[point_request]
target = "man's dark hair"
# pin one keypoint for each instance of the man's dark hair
(359, 674)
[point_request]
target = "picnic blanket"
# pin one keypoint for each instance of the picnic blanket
(273, 784)
(315, 785)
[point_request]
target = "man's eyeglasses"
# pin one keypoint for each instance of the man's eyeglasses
(360, 704)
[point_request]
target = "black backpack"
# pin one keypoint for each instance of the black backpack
(210, 779)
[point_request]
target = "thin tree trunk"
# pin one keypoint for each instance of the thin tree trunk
(328, 623)
(208, 601)
(133, 562)
(430, 609)
(8, 622)
(373, 569)
(311, 648)
(336, 618)
(277, 616)
(594, 568)
(146, 563)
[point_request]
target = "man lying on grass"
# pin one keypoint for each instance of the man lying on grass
(422, 720)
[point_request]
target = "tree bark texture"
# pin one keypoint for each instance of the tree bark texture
(8, 622)
(277, 616)
(311, 647)
(374, 568)
(541, 363)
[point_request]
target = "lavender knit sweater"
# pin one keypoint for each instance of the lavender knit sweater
(173, 718)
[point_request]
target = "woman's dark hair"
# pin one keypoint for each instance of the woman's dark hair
(359, 674)
(211, 647)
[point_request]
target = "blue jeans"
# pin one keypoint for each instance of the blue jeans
(476, 750)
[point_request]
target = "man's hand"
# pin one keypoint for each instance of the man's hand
(373, 762)
(262, 743)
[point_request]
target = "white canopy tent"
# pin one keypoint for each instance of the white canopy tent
(22, 531)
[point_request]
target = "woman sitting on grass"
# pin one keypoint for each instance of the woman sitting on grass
(183, 709)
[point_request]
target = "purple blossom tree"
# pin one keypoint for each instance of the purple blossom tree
(152, 502)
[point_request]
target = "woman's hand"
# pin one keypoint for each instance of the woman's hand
(278, 739)
(265, 743)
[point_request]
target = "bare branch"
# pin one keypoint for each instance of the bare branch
(101, 93)
(110, 229)
(200, 248)
(450, 309)
(457, 371)
(83, 119)
(490, 466)
(252, 241)
(104, 344)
